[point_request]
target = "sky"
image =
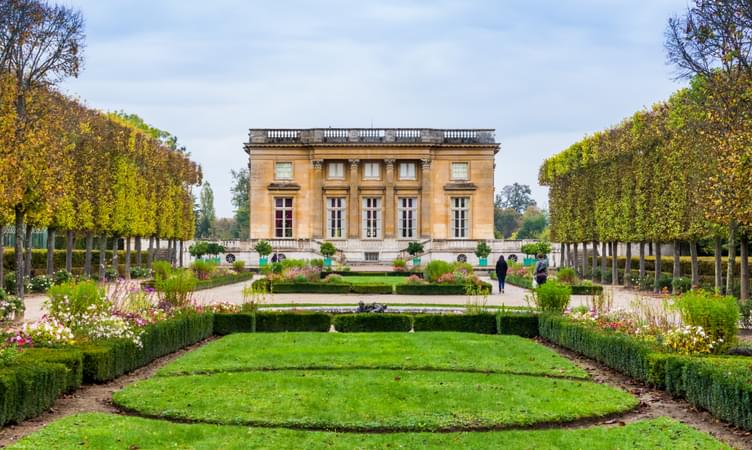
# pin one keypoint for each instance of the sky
(542, 73)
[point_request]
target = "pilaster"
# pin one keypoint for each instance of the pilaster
(317, 200)
(389, 200)
(425, 200)
(353, 203)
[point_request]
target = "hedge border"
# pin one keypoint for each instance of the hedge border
(354, 323)
(476, 323)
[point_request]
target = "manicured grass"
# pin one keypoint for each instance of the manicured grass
(364, 279)
(384, 400)
(105, 431)
(447, 351)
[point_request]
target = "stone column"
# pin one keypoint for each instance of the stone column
(389, 199)
(250, 200)
(317, 200)
(425, 200)
(353, 204)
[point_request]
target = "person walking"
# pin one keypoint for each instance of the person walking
(541, 269)
(501, 272)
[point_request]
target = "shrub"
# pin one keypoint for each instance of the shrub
(436, 269)
(199, 249)
(263, 248)
(334, 278)
(140, 272)
(27, 390)
(62, 276)
(482, 250)
(9, 305)
(281, 321)
(524, 325)
(536, 248)
(348, 323)
(327, 249)
(71, 303)
(177, 288)
(586, 289)
(399, 265)
(317, 263)
(310, 288)
(372, 289)
(238, 265)
(162, 269)
(718, 316)
(111, 274)
(688, 340)
(71, 358)
(745, 309)
(47, 332)
(567, 275)
(430, 289)
(471, 323)
(722, 387)
(552, 297)
(681, 285)
(414, 248)
(203, 269)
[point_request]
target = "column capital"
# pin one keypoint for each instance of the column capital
(426, 163)
(390, 162)
(317, 163)
(354, 163)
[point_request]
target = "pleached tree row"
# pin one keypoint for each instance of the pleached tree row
(84, 173)
(679, 172)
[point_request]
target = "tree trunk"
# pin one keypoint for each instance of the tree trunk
(139, 260)
(650, 249)
(19, 252)
(127, 258)
(156, 246)
(27, 262)
(718, 267)
(642, 261)
(174, 253)
(69, 250)
(50, 251)
(181, 253)
(658, 263)
(595, 260)
(102, 257)
(569, 254)
(614, 263)
(115, 257)
(744, 253)
(2, 257)
(695, 264)
(676, 273)
(150, 254)
(628, 266)
(87, 258)
(585, 264)
(561, 255)
(603, 262)
(575, 256)
(731, 259)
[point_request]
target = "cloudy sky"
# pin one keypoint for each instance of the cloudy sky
(542, 73)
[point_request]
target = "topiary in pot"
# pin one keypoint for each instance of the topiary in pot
(328, 250)
(415, 248)
(482, 250)
(264, 249)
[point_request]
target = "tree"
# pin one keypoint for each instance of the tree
(506, 221)
(533, 223)
(206, 214)
(516, 196)
(240, 201)
(40, 45)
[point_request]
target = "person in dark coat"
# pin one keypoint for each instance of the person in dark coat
(501, 272)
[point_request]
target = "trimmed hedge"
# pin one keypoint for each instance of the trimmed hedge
(577, 289)
(29, 389)
(310, 288)
(430, 289)
(293, 321)
(618, 351)
(723, 387)
(524, 325)
(71, 358)
(108, 360)
(471, 323)
(39, 258)
(522, 282)
(349, 323)
(223, 280)
(271, 321)
(372, 289)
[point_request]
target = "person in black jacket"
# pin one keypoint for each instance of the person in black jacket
(501, 272)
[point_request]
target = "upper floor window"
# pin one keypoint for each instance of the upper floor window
(283, 171)
(460, 171)
(372, 170)
(407, 171)
(336, 170)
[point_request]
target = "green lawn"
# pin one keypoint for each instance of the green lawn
(105, 431)
(447, 351)
(375, 279)
(385, 400)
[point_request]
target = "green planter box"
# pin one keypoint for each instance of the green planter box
(263, 261)
(328, 262)
(483, 262)
(416, 261)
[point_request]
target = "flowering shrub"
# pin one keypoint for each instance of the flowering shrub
(176, 290)
(399, 265)
(690, 339)
(140, 272)
(63, 276)
(446, 278)
(415, 279)
(8, 354)
(112, 327)
(9, 305)
(224, 307)
(302, 274)
(41, 283)
(47, 332)
(334, 278)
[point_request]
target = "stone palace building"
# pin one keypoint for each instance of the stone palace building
(371, 191)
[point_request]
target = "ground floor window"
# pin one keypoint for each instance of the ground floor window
(335, 213)
(407, 217)
(283, 217)
(371, 218)
(460, 217)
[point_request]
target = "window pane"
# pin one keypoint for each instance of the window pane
(459, 171)
(371, 170)
(336, 170)
(407, 171)
(283, 170)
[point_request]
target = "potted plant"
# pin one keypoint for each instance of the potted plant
(482, 250)
(264, 249)
(328, 250)
(414, 249)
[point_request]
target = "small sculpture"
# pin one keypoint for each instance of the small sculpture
(371, 307)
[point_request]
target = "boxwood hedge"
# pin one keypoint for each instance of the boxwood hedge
(271, 321)
(472, 323)
(310, 288)
(71, 358)
(524, 325)
(27, 389)
(372, 289)
(430, 289)
(348, 323)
